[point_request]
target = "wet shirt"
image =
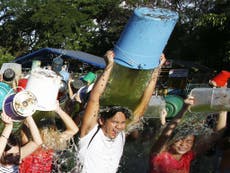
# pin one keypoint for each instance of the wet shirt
(166, 163)
(101, 154)
(38, 162)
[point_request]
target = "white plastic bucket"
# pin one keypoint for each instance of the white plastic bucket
(44, 84)
(155, 107)
(19, 106)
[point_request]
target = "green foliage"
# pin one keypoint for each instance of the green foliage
(5, 56)
(94, 26)
(214, 20)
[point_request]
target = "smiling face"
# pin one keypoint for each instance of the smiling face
(183, 145)
(114, 125)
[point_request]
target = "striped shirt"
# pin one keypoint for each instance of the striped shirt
(10, 169)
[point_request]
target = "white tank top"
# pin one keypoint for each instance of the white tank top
(101, 154)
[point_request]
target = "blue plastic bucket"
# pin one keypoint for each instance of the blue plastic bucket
(5, 90)
(145, 37)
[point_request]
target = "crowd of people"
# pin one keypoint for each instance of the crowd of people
(102, 134)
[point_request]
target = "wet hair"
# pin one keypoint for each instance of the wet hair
(108, 112)
(11, 158)
(182, 132)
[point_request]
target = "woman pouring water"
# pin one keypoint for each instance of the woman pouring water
(175, 148)
(11, 151)
(102, 134)
(54, 140)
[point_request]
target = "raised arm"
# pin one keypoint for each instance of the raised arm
(221, 121)
(36, 141)
(6, 132)
(210, 140)
(141, 108)
(71, 127)
(161, 143)
(70, 91)
(91, 112)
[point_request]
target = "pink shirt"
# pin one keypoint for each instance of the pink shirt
(166, 163)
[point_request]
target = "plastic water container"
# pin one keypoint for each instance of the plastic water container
(20, 105)
(5, 90)
(22, 84)
(173, 106)
(145, 37)
(8, 75)
(15, 66)
(35, 64)
(155, 107)
(44, 84)
(90, 77)
(221, 78)
(65, 75)
(210, 99)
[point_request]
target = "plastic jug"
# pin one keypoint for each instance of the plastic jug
(155, 106)
(173, 105)
(210, 99)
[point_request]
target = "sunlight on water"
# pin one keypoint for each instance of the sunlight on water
(65, 161)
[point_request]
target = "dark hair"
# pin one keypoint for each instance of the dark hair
(108, 112)
(11, 158)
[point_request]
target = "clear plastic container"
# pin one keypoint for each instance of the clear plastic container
(221, 99)
(155, 107)
(210, 99)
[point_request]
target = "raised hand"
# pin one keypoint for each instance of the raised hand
(109, 57)
(6, 119)
(162, 59)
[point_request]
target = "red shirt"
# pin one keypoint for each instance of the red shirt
(38, 162)
(166, 163)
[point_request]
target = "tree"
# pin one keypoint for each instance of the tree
(5, 56)
(94, 26)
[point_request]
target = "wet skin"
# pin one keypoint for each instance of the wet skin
(182, 146)
(113, 126)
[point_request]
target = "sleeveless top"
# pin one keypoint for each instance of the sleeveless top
(10, 169)
(166, 163)
(98, 153)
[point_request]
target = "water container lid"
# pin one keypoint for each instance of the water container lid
(57, 64)
(25, 103)
(8, 75)
(156, 13)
